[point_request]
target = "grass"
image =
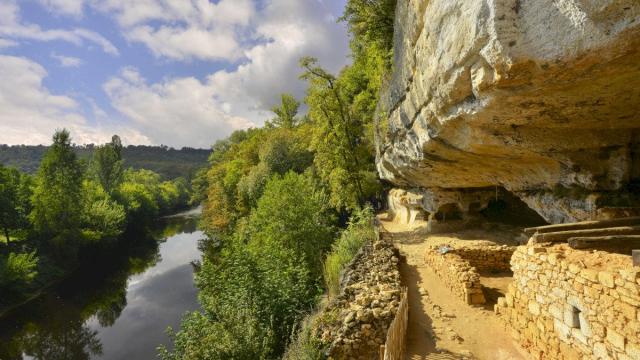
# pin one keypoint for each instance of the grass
(359, 232)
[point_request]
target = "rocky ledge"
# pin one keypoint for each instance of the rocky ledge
(355, 324)
(541, 98)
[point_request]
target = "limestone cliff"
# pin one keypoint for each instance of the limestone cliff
(539, 97)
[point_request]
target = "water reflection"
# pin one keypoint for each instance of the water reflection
(117, 310)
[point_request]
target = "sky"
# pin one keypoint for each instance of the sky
(172, 72)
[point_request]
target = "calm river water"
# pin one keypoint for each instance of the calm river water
(118, 308)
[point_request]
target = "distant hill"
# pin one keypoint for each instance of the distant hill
(168, 162)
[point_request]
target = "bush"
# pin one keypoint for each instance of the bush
(106, 218)
(18, 269)
(359, 231)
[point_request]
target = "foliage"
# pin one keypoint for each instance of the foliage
(371, 21)
(293, 213)
(304, 345)
(286, 112)
(57, 198)
(168, 162)
(241, 166)
(68, 210)
(343, 146)
(102, 217)
(17, 269)
(15, 190)
(108, 164)
(269, 267)
(359, 232)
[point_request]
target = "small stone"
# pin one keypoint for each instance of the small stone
(606, 279)
(349, 318)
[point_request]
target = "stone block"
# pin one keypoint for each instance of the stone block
(633, 350)
(585, 326)
(615, 339)
(589, 274)
(628, 311)
(534, 308)
(569, 353)
(600, 351)
(562, 329)
(606, 279)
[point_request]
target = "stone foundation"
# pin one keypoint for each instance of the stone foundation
(459, 268)
(572, 304)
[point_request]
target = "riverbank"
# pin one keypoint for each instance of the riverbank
(141, 287)
(50, 275)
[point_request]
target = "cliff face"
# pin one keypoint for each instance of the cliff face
(539, 97)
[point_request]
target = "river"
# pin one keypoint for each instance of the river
(117, 308)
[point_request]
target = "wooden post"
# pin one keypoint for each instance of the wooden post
(635, 254)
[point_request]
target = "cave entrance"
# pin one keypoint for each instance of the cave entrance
(447, 212)
(507, 208)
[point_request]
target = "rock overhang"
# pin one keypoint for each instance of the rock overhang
(525, 95)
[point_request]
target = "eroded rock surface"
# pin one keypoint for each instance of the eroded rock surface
(539, 97)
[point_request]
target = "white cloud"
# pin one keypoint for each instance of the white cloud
(290, 29)
(175, 112)
(66, 7)
(4, 43)
(267, 43)
(30, 113)
(67, 61)
(183, 30)
(12, 27)
(188, 111)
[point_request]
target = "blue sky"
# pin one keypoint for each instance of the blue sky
(173, 72)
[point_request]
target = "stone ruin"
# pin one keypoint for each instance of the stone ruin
(460, 267)
(576, 291)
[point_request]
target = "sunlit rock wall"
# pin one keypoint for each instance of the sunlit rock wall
(539, 97)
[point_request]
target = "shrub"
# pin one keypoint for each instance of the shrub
(359, 231)
(18, 269)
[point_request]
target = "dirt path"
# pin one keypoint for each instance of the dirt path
(440, 325)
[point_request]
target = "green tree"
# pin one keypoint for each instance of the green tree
(102, 217)
(57, 198)
(286, 112)
(342, 143)
(371, 21)
(108, 164)
(13, 205)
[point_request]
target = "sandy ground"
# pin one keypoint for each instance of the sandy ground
(441, 326)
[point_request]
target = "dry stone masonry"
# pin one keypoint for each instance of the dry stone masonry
(355, 325)
(573, 304)
(458, 268)
(539, 97)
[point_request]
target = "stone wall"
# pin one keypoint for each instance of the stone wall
(571, 304)
(459, 268)
(355, 324)
(488, 258)
(456, 273)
